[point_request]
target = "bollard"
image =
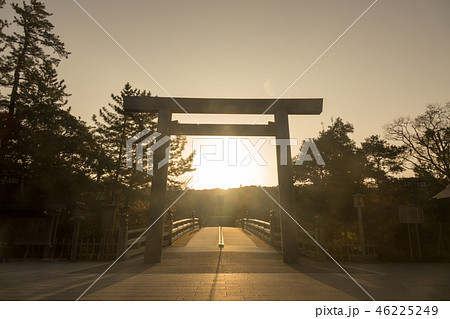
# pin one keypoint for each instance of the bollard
(221, 243)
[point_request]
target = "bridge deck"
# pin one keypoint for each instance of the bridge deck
(196, 269)
(207, 238)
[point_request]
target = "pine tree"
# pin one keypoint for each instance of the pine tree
(328, 189)
(3, 24)
(24, 54)
(343, 161)
(51, 150)
(382, 159)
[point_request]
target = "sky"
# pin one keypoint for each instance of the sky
(391, 63)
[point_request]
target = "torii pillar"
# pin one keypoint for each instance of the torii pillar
(158, 192)
(289, 230)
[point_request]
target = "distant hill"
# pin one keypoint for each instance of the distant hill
(236, 202)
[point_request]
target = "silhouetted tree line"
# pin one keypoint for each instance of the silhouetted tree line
(408, 172)
(48, 155)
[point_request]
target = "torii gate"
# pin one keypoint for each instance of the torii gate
(281, 108)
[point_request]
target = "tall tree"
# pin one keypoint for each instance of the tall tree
(49, 148)
(382, 158)
(3, 24)
(327, 190)
(343, 161)
(25, 52)
(113, 126)
(427, 140)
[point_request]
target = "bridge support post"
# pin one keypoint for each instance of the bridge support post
(154, 236)
(289, 230)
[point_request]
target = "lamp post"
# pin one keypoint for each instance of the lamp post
(358, 201)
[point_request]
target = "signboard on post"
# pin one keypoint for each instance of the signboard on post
(358, 200)
(410, 215)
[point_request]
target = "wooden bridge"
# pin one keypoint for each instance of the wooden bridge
(267, 232)
(194, 267)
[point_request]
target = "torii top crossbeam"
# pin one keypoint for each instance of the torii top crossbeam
(222, 105)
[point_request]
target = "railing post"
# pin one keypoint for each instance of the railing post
(168, 220)
(108, 218)
(246, 220)
(274, 227)
(77, 217)
(123, 235)
(200, 220)
(319, 236)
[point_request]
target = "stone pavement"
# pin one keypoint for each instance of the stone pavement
(246, 269)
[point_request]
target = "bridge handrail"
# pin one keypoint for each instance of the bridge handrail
(180, 227)
(133, 234)
(136, 231)
(182, 221)
(306, 246)
(177, 229)
(260, 222)
(259, 227)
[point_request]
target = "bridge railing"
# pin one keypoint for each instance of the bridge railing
(270, 232)
(343, 249)
(183, 226)
(260, 228)
(308, 247)
(348, 250)
(139, 247)
(173, 230)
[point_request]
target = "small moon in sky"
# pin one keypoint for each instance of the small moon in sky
(268, 88)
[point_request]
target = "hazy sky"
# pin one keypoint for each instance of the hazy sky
(392, 62)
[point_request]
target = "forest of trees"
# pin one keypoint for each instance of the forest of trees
(410, 171)
(48, 155)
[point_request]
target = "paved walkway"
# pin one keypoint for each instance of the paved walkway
(246, 269)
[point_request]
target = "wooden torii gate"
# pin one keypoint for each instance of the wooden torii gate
(165, 107)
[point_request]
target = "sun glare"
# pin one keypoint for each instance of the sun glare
(225, 162)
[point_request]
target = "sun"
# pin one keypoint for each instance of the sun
(220, 175)
(225, 162)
